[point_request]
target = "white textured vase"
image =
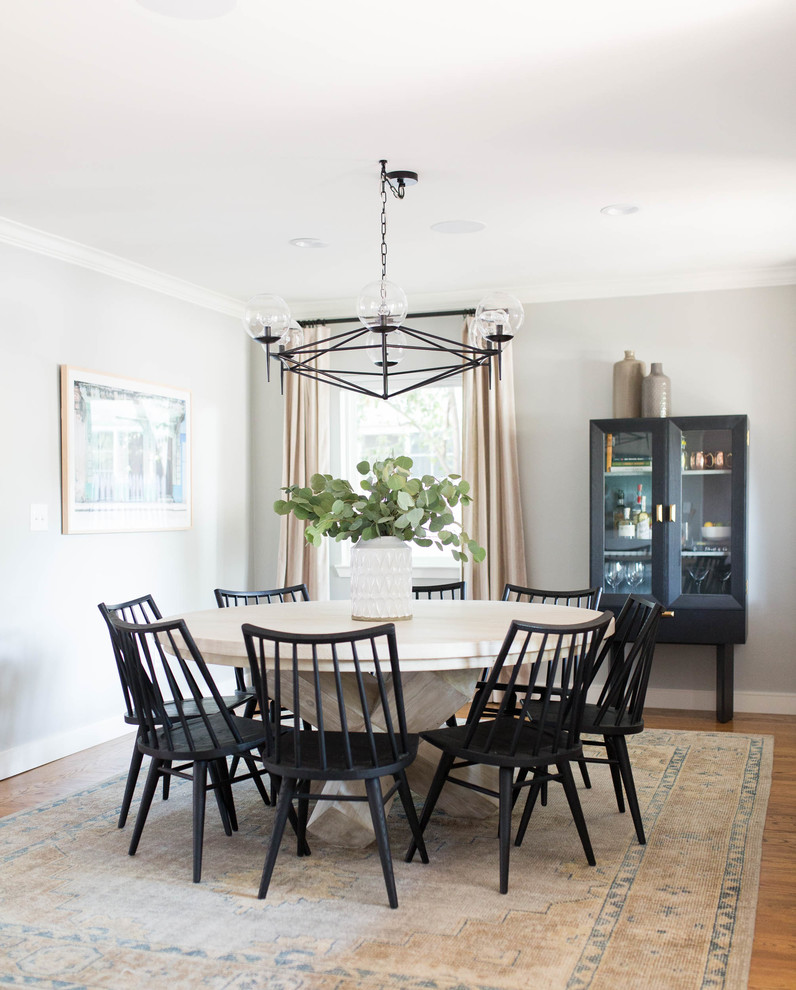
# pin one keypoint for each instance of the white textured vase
(381, 579)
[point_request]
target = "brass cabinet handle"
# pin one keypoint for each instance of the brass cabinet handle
(658, 513)
(667, 615)
(672, 513)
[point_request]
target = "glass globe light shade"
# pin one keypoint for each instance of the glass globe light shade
(396, 341)
(499, 316)
(266, 315)
(292, 337)
(382, 304)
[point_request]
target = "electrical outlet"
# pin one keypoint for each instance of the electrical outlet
(38, 517)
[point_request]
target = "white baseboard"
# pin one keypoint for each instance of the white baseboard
(40, 751)
(753, 702)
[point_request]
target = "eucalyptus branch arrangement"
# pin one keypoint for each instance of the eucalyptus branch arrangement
(392, 503)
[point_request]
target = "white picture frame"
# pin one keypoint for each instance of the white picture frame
(125, 454)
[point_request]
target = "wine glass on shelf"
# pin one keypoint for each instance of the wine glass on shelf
(614, 574)
(724, 573)
(698, 570)
(634, 574)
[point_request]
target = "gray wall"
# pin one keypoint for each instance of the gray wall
(58, 690)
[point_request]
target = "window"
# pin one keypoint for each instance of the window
(425, 425)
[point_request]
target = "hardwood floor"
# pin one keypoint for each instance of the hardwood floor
(774, 949)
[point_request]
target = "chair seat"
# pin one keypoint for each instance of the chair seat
(503, 749)
(229, 701)
(336, 766)
(611, 723)
(203, 747)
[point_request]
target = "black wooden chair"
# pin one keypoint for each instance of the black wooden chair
(293, 593)
(555, 662)
(580, 598)
(455, 590)
(144, 610)
(184, 724)
(584, 598)
(363, 664)
(452, 591)
(229, 599)
(618, 711)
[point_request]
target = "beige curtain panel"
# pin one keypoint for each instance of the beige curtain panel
(490, 464)
(305, 452)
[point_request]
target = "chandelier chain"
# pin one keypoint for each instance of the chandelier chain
(383, 223)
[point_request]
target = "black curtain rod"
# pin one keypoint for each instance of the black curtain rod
(410, 316)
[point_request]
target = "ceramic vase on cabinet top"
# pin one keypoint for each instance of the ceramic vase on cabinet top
(628, 375)
(656, 393)
(381, 579)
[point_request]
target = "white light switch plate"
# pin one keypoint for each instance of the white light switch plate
(38, 517)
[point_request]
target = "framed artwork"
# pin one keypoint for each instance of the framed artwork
(125, 454)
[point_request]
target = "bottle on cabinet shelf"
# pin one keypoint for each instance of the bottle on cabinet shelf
(619, 511)
(637, 507)
(643, 531)
(626, 528)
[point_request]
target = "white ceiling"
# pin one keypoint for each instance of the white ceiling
(199, 148)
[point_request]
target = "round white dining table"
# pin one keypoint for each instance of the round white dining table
(441, 650)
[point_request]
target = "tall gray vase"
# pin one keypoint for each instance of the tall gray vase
(628, 375)
(656, 393)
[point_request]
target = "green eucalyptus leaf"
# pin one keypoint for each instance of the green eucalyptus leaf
(281, 507)
(415, 516)
(405, 501)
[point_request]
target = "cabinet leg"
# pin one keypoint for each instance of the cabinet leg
(724, 681)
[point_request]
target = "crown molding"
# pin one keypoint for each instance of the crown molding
(707, 281)
(61, 248)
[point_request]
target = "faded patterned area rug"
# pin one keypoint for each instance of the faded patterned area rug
(77, 912)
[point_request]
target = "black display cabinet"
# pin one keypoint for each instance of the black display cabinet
(683, 540)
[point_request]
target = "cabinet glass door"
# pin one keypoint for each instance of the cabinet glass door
(706, 512)
(627, 511)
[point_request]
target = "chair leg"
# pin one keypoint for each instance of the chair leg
(146, 801)
(257, 777)
(303, 813)
(166, 780)
(506, 785)
(129, 787)
(620, 744)
(565, 769)
(376, 805)
(219, 777)
(539, 778)
(440, 776)
(286, 791)
(292, 817)
(199, 799)
(616, 774)
(411, 815)
(584, 772)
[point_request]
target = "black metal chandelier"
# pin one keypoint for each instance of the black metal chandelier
(373, 351)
